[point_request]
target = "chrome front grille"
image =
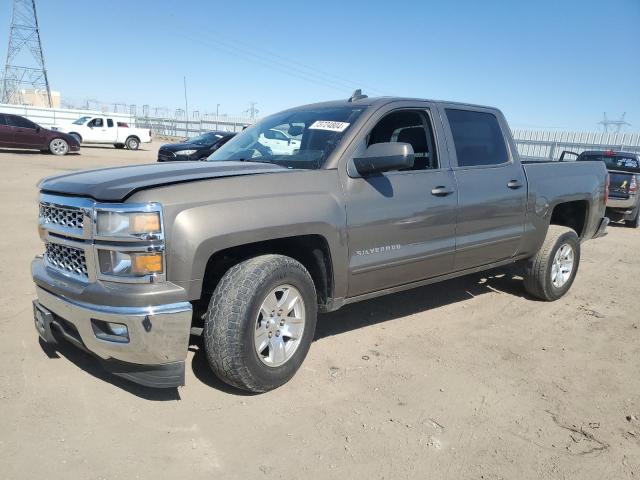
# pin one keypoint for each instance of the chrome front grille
(68, 259)
(62, 216)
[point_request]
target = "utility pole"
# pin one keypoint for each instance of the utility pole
(186, 107)
(25, 62)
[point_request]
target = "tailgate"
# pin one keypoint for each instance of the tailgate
(619, 184)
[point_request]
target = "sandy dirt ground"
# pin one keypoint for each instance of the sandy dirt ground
(468, 379)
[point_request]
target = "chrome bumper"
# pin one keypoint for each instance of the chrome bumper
(157, 334)
(627, 203)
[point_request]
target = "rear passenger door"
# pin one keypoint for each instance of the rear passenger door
(491, 187)
(6, 133)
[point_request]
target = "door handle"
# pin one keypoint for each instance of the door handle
(441, 191)
(514, 184)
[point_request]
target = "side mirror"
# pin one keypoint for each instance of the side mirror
(382, 157)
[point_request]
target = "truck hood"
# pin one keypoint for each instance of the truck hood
(117, 183)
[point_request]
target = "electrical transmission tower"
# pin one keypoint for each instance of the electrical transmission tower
(25, 62)
(616, 124)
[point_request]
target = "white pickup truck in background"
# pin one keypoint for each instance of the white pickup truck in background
(96, 129)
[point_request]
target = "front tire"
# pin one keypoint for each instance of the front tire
(58, 146)
(260, 322)
(549, 274)
(132, 143)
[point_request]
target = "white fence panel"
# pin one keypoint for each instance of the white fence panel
(57, 116)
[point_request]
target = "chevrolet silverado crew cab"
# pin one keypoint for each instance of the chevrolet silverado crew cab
(381, 195)
(97, 129)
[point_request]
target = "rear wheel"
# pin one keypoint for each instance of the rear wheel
(58, 146)
(132, 143)
(634, 222)
(549, 274)
(260, 322)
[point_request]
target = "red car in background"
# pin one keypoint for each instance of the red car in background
(19, 132)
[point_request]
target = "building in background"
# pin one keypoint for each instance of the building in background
(34, 98)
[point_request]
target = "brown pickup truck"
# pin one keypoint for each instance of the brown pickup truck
(378, 196)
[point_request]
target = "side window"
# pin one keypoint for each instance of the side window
(98, 122)
(20, 122)
(3, 120)
(477, 138)
(109, 122)
(408, 126)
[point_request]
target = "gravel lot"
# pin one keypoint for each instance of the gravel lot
(464, 379)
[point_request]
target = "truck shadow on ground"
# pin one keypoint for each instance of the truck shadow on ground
(351, 317)
(92, 366)
(387, 308)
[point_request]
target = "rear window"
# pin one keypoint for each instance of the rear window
(614, 162)
(477, 138)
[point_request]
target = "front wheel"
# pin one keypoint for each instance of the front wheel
(132, 143)
(260, 322)
(58, 146)
(550, 272)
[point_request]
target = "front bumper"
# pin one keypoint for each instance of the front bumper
(155, 352)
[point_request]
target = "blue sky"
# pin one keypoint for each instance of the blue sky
(545, 63)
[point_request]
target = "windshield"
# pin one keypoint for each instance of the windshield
(208, 138)
(293, 139)
(615, 162)
(81, 120)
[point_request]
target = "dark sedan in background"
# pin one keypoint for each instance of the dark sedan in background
(19, 132)
(198, 148)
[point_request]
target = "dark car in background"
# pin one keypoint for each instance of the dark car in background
(624, 175)
(197, 148)
(19, 132)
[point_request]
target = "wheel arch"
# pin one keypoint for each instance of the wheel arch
(311, 250)
(73, 133)
(573, 214)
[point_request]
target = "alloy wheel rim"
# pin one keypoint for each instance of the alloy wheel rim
(279, 326)
(58, 146)
(562, 266)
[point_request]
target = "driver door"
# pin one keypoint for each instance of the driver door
(97, 131)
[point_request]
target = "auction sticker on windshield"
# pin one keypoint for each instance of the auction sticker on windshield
(329, 125)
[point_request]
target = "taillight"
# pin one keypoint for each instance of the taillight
(607, 179)
(633, 186)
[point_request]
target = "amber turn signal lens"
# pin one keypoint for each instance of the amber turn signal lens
(144, 223)
(146, 263)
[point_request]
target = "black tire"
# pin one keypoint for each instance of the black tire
(233, 313)
(132, 143)
(119, 145)
(538, 269)
(634, 222)
(77, 137)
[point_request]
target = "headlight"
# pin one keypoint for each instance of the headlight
(128, 224)
(185, 152)
(130, 264)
